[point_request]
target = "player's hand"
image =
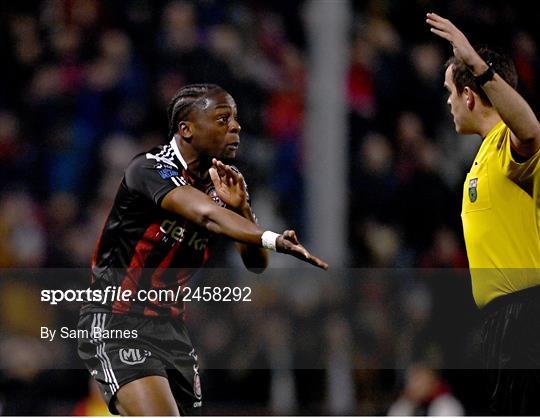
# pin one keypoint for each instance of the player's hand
(288, 243)
(230, 185)
(461, 46)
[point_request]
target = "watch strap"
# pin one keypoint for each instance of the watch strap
(485, 76)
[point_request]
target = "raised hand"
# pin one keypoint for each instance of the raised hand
(288, 243)
(461, 46)
(230, 185)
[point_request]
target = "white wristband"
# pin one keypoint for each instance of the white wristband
(268, 239)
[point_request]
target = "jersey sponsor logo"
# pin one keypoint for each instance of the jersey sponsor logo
(199, 244)
(473, 192)
(169, 227)
(132, 356)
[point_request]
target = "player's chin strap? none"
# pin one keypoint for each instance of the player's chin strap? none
(268, 239)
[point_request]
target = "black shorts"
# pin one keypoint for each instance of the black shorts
(118, 349)
(511, 352)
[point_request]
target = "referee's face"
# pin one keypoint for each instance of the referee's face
(457, 103)
(215, 127)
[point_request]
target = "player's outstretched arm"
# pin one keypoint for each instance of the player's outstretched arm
(199, 208)
(288, 243)
(512, 108)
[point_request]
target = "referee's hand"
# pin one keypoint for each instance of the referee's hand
(461, 46)
(287, 243)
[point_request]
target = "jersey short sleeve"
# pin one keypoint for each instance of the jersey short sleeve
(152, 178)
(519, 172)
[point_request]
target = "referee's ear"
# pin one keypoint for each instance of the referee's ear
(185, 130)
(469, 94)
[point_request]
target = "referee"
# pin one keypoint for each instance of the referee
(501, 216)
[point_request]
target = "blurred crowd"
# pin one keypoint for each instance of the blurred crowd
(85, 85)
(407, 163)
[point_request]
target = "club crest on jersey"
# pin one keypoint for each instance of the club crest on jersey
(133, 356)
(473, 192)
(213, 194)
(167, 173)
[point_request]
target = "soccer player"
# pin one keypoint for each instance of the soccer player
(171, 203)
(500, 215)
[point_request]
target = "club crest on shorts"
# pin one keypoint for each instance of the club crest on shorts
(473, 192)
(196, 378)
(197, 384)
(133, 356)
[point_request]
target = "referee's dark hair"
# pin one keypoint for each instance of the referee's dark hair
(182, 102)
(501, 64)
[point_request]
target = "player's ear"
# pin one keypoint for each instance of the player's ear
(185, 130)
(470, 97)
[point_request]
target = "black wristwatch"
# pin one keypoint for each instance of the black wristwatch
(485, 76)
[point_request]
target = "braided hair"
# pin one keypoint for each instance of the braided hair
(183, 101)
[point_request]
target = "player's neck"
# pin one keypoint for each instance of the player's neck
(200, 167)
(487, 122)
(196, 164)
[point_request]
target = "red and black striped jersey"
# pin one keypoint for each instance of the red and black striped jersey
(142, 246)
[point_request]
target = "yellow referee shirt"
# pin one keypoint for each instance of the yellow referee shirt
(501, 219)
